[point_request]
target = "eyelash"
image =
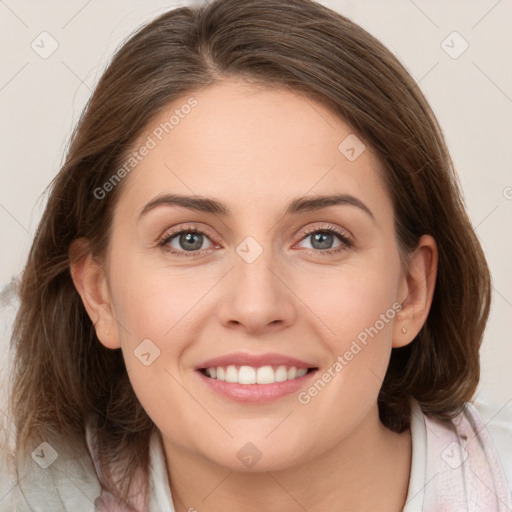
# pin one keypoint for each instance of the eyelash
(346, 241)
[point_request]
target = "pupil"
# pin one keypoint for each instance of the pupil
(195, 239)
(324, 239)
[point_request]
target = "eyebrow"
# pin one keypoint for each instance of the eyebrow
(298, 205)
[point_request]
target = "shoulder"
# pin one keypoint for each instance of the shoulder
(57, 477)
(497, 419)
(469, 457)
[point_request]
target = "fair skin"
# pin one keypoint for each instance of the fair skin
(255, 150)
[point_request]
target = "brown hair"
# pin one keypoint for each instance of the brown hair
(60, 366)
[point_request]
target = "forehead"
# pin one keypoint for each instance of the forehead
(249, 145)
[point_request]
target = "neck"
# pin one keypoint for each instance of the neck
(368, 470)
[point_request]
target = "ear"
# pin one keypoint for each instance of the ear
(91, 283)
(417, 290)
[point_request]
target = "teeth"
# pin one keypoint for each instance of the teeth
(281, 374)
(292, 373)
(265, 375)
(251, 375)
(231, 374)
(246, 375)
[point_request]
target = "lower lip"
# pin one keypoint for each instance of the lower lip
(256, 392)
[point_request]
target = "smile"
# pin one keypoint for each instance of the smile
(255, 384)
(268, 374)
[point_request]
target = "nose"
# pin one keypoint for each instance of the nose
(259, 298)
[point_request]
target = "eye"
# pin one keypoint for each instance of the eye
(323, 240)
(188, 242)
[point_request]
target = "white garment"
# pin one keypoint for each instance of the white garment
(160, 499)
(70, 483)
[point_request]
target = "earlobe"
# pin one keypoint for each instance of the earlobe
(90, 281)
(419, 284)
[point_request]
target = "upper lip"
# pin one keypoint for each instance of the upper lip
(255, 360)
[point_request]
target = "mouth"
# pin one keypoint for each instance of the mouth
(255, 378)
(249, 375)
(255, 385)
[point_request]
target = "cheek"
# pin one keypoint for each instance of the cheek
(352, 298)
(159, 311)
(152, 301)
(369, 308)
(357, 307)
(154, 309)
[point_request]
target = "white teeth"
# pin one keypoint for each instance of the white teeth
(246, 375)
(281, 374)
(265, 375)
(251, 375)
(231, 374)
(292, 373)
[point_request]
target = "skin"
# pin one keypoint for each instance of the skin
(256, 149)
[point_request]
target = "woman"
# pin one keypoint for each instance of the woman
(255, 285)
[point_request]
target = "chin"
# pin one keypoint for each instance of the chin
(255, 457)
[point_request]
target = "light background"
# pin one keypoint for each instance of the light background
(41, 100)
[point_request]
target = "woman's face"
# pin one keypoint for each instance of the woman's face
(265, 275)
